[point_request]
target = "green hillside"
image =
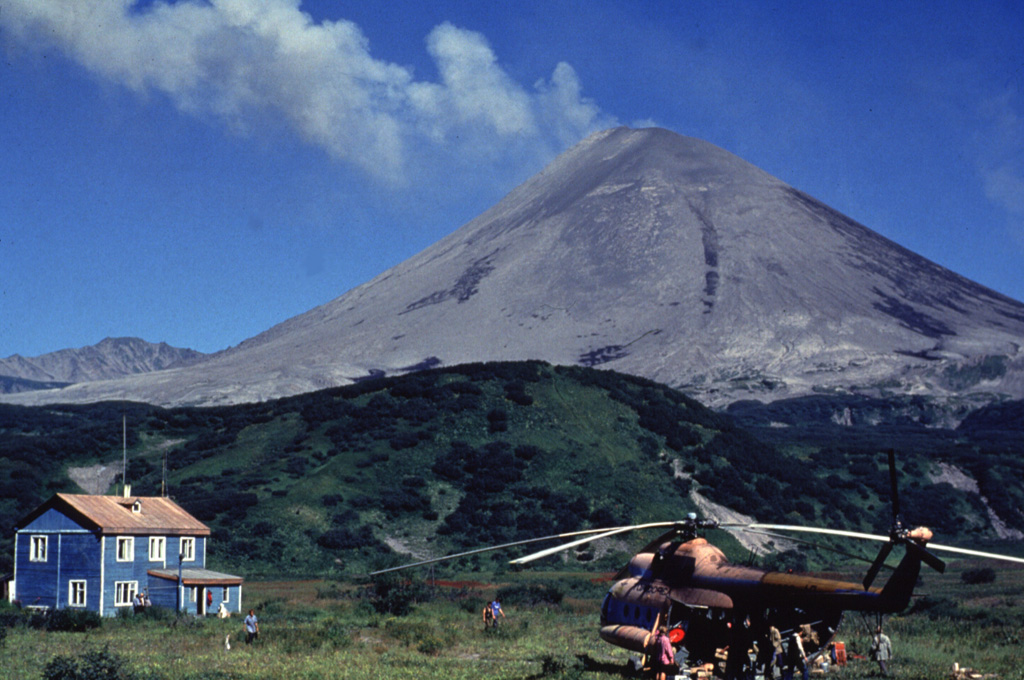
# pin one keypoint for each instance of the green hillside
(338, 481)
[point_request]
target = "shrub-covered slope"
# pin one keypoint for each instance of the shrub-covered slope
(339, 480)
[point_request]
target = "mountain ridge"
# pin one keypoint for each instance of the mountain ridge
(108, 359)
(654, 254)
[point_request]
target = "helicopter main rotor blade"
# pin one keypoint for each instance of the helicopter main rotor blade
(820, 530)
(607, 533)
(894, 492)
(975, 553)
(876, 566)
(804, 541)
(492, 548)
(876, 537)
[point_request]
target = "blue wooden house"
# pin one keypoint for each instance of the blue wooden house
(99, 553)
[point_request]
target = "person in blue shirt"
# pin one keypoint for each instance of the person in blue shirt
(492, 610)
(252, 627)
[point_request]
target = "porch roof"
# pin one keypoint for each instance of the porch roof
(197, 577)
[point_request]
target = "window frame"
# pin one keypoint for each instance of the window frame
(128, 588)
(129, 552)
(78, 597)
(37, 541)
(190, 556)
(160, 543)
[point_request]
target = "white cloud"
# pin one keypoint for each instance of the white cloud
(474, 88)
(243, 60)
(563, 107)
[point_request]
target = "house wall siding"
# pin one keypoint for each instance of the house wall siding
(70, 551)
(36, 582)
(115, 571)
(79, 560)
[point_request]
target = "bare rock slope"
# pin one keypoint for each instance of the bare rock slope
(108, 359)
(652, 254)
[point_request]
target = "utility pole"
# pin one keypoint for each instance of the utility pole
(179, 576)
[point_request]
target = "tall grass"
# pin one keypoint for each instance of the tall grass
(316, 631)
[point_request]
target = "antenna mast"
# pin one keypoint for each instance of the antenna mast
(124, 450)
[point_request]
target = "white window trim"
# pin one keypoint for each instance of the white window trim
(160, 543)
(71, 593)
(128, 541)
(34, 553)
(127, 588)
(190, 556)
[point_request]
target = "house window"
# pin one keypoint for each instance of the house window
(188, 549)
(224, 595)
(124, 593)
(125, 548)
(193, 594)
(157, 544)
(37, 549)
(76, 593)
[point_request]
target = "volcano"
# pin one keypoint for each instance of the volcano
(652, 254)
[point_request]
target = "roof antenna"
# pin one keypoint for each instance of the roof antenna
(124, 450)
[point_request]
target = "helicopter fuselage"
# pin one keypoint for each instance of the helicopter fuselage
(692, 588)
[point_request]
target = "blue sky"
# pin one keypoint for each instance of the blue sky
(195, 172)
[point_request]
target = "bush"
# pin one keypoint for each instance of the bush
(11, 617)
(72, 620)
(561, 666)
(978, 576)
(394, 595)
(96, 665)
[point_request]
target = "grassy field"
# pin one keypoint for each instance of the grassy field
(317, 630)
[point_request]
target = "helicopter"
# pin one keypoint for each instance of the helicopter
(681, 581)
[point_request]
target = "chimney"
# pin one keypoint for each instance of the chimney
(127, 490)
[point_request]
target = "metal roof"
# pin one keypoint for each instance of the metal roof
(140, 515)
(197, 577)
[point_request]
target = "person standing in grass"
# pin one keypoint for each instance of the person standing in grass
(881, 650)
(491, 612)
(252, 627)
